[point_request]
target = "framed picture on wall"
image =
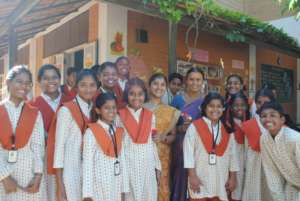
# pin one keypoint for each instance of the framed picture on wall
(183, 67)
(214, 88)
(213, 72)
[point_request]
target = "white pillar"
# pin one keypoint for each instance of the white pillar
(112, 19)
(32, 63)
(298, 90)
(252, 70)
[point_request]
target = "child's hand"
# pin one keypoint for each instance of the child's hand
(61, 192)
(34, 184)
(10, 185)
(195, 183)
(231, 183)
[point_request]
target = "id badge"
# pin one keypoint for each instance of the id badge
(212, 159)
(12, 156)
(117, 168)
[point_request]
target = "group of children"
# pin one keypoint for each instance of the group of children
(96, 139)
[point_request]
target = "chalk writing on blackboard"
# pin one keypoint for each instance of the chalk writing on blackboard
(281, 78)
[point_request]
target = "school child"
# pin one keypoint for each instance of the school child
(108, 77)
(141, 153)
(280, 153)
(69, 89)
(22, 142)
(210, 154)
(234, 84)
(104, 171)
(254, 180)
(72, 120)
(123, 67)
(48, 103)
(238, 110)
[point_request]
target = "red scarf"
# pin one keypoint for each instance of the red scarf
(252, 133)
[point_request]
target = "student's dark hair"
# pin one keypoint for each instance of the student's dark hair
(194, 70)
(278, 107)
(105, 65)
(46, 67)
(264, 92)
(85, 73)
(95, 68)
(134, 82)
(121, 58)
(157, 76)
(100, 101)
(173, 76)
(72, 70)
(228, 115)
(208, 98)
(17, 70)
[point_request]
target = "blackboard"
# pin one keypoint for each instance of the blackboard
(281, 78)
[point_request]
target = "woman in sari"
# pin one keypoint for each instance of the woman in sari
(166, 118)
(189, 103)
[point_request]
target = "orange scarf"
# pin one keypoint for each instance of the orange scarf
(76, 114)
(252, 133)
(104, 140)
(207, 137)
(24, 128)
(139, 132)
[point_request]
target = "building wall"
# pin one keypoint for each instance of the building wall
(267, 56)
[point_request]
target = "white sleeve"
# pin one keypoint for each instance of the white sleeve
(37, 144)
(64, 120)
(189, 147)
(5, 169)
(234, 159)
(89, 148)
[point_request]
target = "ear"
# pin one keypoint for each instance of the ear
(97, 110)
(283, 119)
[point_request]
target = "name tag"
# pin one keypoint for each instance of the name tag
(12, 156)
(117, 168)
(212, 159)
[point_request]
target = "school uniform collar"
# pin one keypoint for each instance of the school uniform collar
(105, 125)
(135, 112)
(12, 104)
(50, 100)
(85, 107)
(209, 123)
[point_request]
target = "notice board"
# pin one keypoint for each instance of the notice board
(281, 78)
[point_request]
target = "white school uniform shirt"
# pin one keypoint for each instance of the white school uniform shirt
(122, 83)
(53, 103)
(213, 177)
(50, 179)
(281, 164)
(141, 160)
(99, 180)
(240, 149)
(68, 149)
(255, 186)
(30, 159)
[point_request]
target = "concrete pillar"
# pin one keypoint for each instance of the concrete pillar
(252, 70)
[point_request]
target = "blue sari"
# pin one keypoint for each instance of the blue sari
(178, 173)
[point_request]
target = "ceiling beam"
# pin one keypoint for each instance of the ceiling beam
(22, 9)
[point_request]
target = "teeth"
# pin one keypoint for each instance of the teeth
(269, 124)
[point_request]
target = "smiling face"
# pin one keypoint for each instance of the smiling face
(239, 108)
(194, 82)
(272, 120)
(136, 97)
(19, 87)
(214, 110)
(123, 67)
(234, 85)
(108, 111)
(175, 85)
(109, 77)
(158, 87)
(87, 88)
(50, 82)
